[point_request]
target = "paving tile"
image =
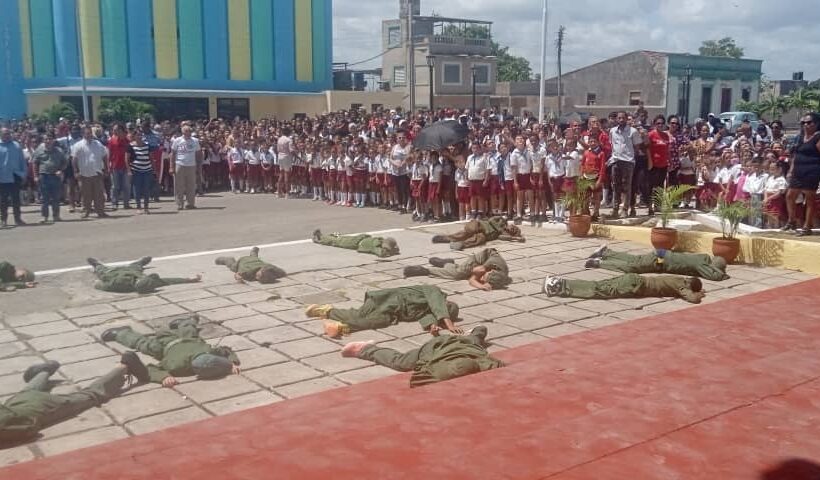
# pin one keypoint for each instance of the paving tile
(99, 319)
(249, 324)
(307, 347)
(237, 343)
(160, 311)
(752, 287)
(370, 335)
(12, 349)
(17, 363)
(229, 289)
(90, 368)
(747, 274)
(276, 335)
(365, 374)
(638, 302)
(11, 384)
(372, 278)
(88, 310)
(61, 340)
(320, 297)
(598, 322)
(145, 404)
(291, 316)
(88, 420)
(669, 306)
(632, 314)
(335, 363)
(97, 330)
(7, 336)
(565, 313)
(80, 353)
(518, 339)
(493, 295)
(527, 321)
(166, 420)
(487, 311)
(242, 402)
(210, 331)
(210, 303)
(274, 306)
(528, 303)
(186, 295)
(778, 281)
(308, 387)
(11, 456)
(349, 272)
(464, 301)
(281, 374)
(44, 329)
(254, 296)
(311, 277)
(560, 330)
(141, 302)
(296, 291)
(600, 306)
(494, 329)
(227, 313)
(260, 357)
(81, 440)
(203, 391)
(800, 275)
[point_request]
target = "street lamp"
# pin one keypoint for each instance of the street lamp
(473, 69)
(688, 72)
(431, 62)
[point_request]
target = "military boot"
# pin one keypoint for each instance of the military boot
(440, 262)
(50, 366)
(415, 271)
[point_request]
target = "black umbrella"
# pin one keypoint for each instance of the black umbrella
(441, 135)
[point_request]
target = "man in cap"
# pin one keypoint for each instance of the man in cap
(425, 304)
(441, 358)
(379, 246)
(630, 285)
(660, 261)
(479, 232)
(131, 278)
(180, 351)
(485, 270)
(12, 278)
(35, 408)
(251, 267)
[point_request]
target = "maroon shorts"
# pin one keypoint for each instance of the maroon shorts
(495, 187)
(418, 189)
(237, 170)
(463, 194)
(267, 175)
(687, 179)
(315, 175)
(359, 179)
(387, 181)
(569, 184)
(524, 182)
(509, 187)
(375, 180)
(254, 173)
(477, 189)
(341, 179)
(537, 180)
(446, 185)
(557, 186)
(433, 191)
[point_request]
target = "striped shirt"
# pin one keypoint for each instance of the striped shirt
(141, 162)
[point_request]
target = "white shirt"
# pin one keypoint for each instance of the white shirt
(537, 155)
(274, 158)
(185, 151)
(235, 156)
(435, 172)
(572, 163)
(623, 143)
(755, 184)
(477, 167)
(398, 157)
(522, 161)
(283, 147)
(418, 171)
(90, 157)
(461, 177)
(252, 157)
(775, 184)
(556, 165)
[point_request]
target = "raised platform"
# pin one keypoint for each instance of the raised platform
(726, 390)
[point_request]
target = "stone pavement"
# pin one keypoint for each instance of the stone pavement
(283, 353)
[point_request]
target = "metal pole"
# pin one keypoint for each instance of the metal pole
(541, 91)
(411, 63)
(432, 108)
(688, 92)
(86, 116)
(473, 70)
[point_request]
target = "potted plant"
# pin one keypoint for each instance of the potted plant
(730, 214)
(665, 200)
(577, 204)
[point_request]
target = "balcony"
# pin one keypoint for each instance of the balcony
(449, 45)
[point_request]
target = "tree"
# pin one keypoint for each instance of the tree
(54, 113)
(804, 99)
(123, 110)
(725, 47)
(775, 106)
(511, 68)
(746, 106)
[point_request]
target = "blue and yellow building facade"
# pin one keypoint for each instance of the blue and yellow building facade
(208, 49)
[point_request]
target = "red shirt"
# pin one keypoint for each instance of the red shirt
(658, 149)
(603, 141)
(594, 163)
(117, 146)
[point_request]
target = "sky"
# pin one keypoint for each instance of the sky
(782, 33)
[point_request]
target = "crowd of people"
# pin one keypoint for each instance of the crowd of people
(511, 166)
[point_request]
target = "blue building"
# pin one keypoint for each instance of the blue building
(195, 58)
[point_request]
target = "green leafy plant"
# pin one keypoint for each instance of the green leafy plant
(123, 110)
(577, 200)
(665, 200)
(731, 214)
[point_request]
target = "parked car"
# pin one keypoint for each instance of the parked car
(735, 119)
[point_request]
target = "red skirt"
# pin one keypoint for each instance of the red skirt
(375, 180)
(446, 185)
(557, 185)
(387, 181)
(687, 179)
(477, 189)
(418, 189)
(237, 170)
(524, 182)
(708, 192)
(776, 207)
(359, 179)
(433, 192)
(254, 173)
(267, 175)
(495, 187)
(315, 176)
(463, 194)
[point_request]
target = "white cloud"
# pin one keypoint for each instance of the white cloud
(783, 34)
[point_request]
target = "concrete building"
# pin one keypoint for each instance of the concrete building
(661, 82)
(195, 58)
(459, 53)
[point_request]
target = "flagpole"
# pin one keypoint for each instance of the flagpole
(543, 79)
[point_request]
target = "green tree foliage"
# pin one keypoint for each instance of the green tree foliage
(804, 99)
(54, 113)
(725, 47)
(123, 110)
(511, 68)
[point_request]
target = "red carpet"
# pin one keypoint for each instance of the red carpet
(721, 391)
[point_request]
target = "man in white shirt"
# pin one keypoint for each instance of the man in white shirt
(284, 151)
(624, 139)
(186, 153)
(90, 159)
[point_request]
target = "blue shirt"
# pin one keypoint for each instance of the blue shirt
(12, 162)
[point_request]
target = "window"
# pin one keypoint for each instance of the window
(482, 74)
(355, 107)
(394, 36)
(591, 98)
(399, 75)
(746, 94)
(725, 99)
(452, 74)
(635, 97)
(375, 107)
(230, 108)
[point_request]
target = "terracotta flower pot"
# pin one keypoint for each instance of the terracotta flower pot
(664, 238)
(579, 225)
(726, 248)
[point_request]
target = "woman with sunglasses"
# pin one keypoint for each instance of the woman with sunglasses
(804, 175)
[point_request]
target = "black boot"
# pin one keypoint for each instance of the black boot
(415, 271)
(111, 334)
(93, 262)
(441, 239)
(317, 235)
(49, 366)
(440, 262)
(135, 366)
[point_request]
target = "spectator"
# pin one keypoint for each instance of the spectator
(49, 163)
(804, 175)
(89, 160)
(186, 151)
(13, 171)
(624, 140)
(118, 160)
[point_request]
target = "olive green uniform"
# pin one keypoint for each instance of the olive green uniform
(630, 285)
(8, 278)
(124, 279)
(663, 261)
(479, 232)
(431, 363)
(361, 243)
(425, 304)
(28, 412)
(174, 348)
(488, 257)
(248, 266)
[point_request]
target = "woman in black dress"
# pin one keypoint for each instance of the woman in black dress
(804, 174)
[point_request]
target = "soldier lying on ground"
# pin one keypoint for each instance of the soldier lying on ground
(630, 285)
(660, 261)
(485, 270)
(12, 278)
(131, 278)
(251, 267)
(35, 408)
(441, 358)
(180, 351)
(479, 232)
(425, 304)
(378, 246)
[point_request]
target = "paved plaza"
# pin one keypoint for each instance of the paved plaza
(284, 354)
